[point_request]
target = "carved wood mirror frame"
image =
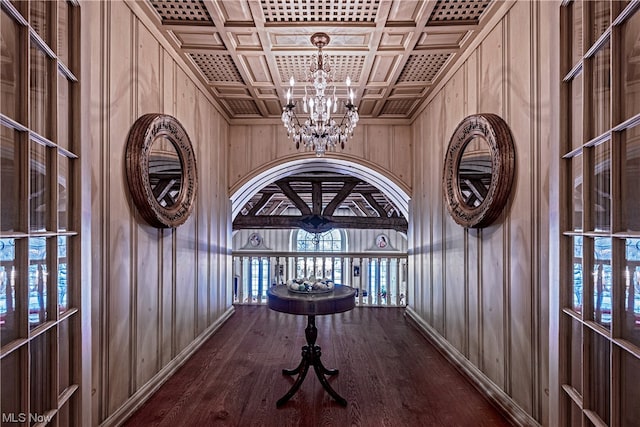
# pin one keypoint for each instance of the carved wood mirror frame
(144, 132)
(496, 132)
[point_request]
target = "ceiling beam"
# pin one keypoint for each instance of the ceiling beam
(260, 204)
(318, 223)
(295, 199)
(316, 197)
(339, 197)
(374, 204)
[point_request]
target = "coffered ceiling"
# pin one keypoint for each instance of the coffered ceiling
(394, 51)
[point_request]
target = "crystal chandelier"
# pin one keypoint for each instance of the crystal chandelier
(320, 132)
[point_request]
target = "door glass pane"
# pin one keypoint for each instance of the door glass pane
(576, 415)
(631, 324)
(64, 414)
(577, 188)
(64, 119)
(39, 90)
(64, 354)
(39, 16)
(8, 305)
(601, 119)
(10, 67)
(630, 179)
(63, 192)
(601, 193)
(577, 134)
(630, 393)
(599, 372)
(9, 177)
(602, 281)
(576, 355)
(576, 37)
(631, 66)
(578, 278)
(11, 390)
(40, 375)
(39, 191)
(37, 281)
(601, 11)
(63, 299)
(63, 31)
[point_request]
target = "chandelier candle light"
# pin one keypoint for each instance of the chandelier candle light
(320, 132)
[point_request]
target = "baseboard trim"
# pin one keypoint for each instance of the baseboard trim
(146, 391)
(514, 413)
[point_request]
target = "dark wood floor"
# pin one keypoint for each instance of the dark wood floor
(389, 374)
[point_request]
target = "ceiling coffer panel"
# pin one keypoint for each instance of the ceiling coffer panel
(243, 107)
(341, 67)
(180, 11)
(458, 10)
(398, 107)
(354, 11)
(217, 68)
(394, 51)
(423, 68)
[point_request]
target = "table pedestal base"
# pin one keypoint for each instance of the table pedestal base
(311, 357)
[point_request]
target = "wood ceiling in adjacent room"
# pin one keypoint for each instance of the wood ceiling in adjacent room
(317, 202)
(245, 51)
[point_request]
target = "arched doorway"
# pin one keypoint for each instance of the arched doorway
(397, 192)
(377, 262)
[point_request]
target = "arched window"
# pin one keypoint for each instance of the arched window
(315, 264)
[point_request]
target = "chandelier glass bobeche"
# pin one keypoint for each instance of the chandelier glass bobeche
(320, 132)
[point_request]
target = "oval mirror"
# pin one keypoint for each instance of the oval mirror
(474, 172)
(478, 170)
(165, 171)
(161, 170)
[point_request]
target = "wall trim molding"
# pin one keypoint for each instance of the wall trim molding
(136, 400)
(485, 386)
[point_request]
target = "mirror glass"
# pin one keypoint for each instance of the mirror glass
(165, 171)
(474, 172)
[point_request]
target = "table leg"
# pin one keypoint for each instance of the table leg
(311, 357)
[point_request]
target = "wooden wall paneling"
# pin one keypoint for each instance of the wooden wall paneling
(185, 283)
(261, 146)
(147, 86)
(99, 158)
(211, 158)
(356, 145)
(546, 158)
(400, 154)
(148, 67)
(454, 260)
(380, 143)
(431, 236)
(473, 254)
(168, 86)
(421, 244)
(186, 234)
(238, 145)
(167, 236)
(167, 324)
(119, 240)
(520, 119)
(284, 145)
(435, 160)
(493, 251)
(202, 146)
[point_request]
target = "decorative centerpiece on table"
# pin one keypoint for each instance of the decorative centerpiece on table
(310, 285)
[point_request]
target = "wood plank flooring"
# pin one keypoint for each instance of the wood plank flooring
(389, 374)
